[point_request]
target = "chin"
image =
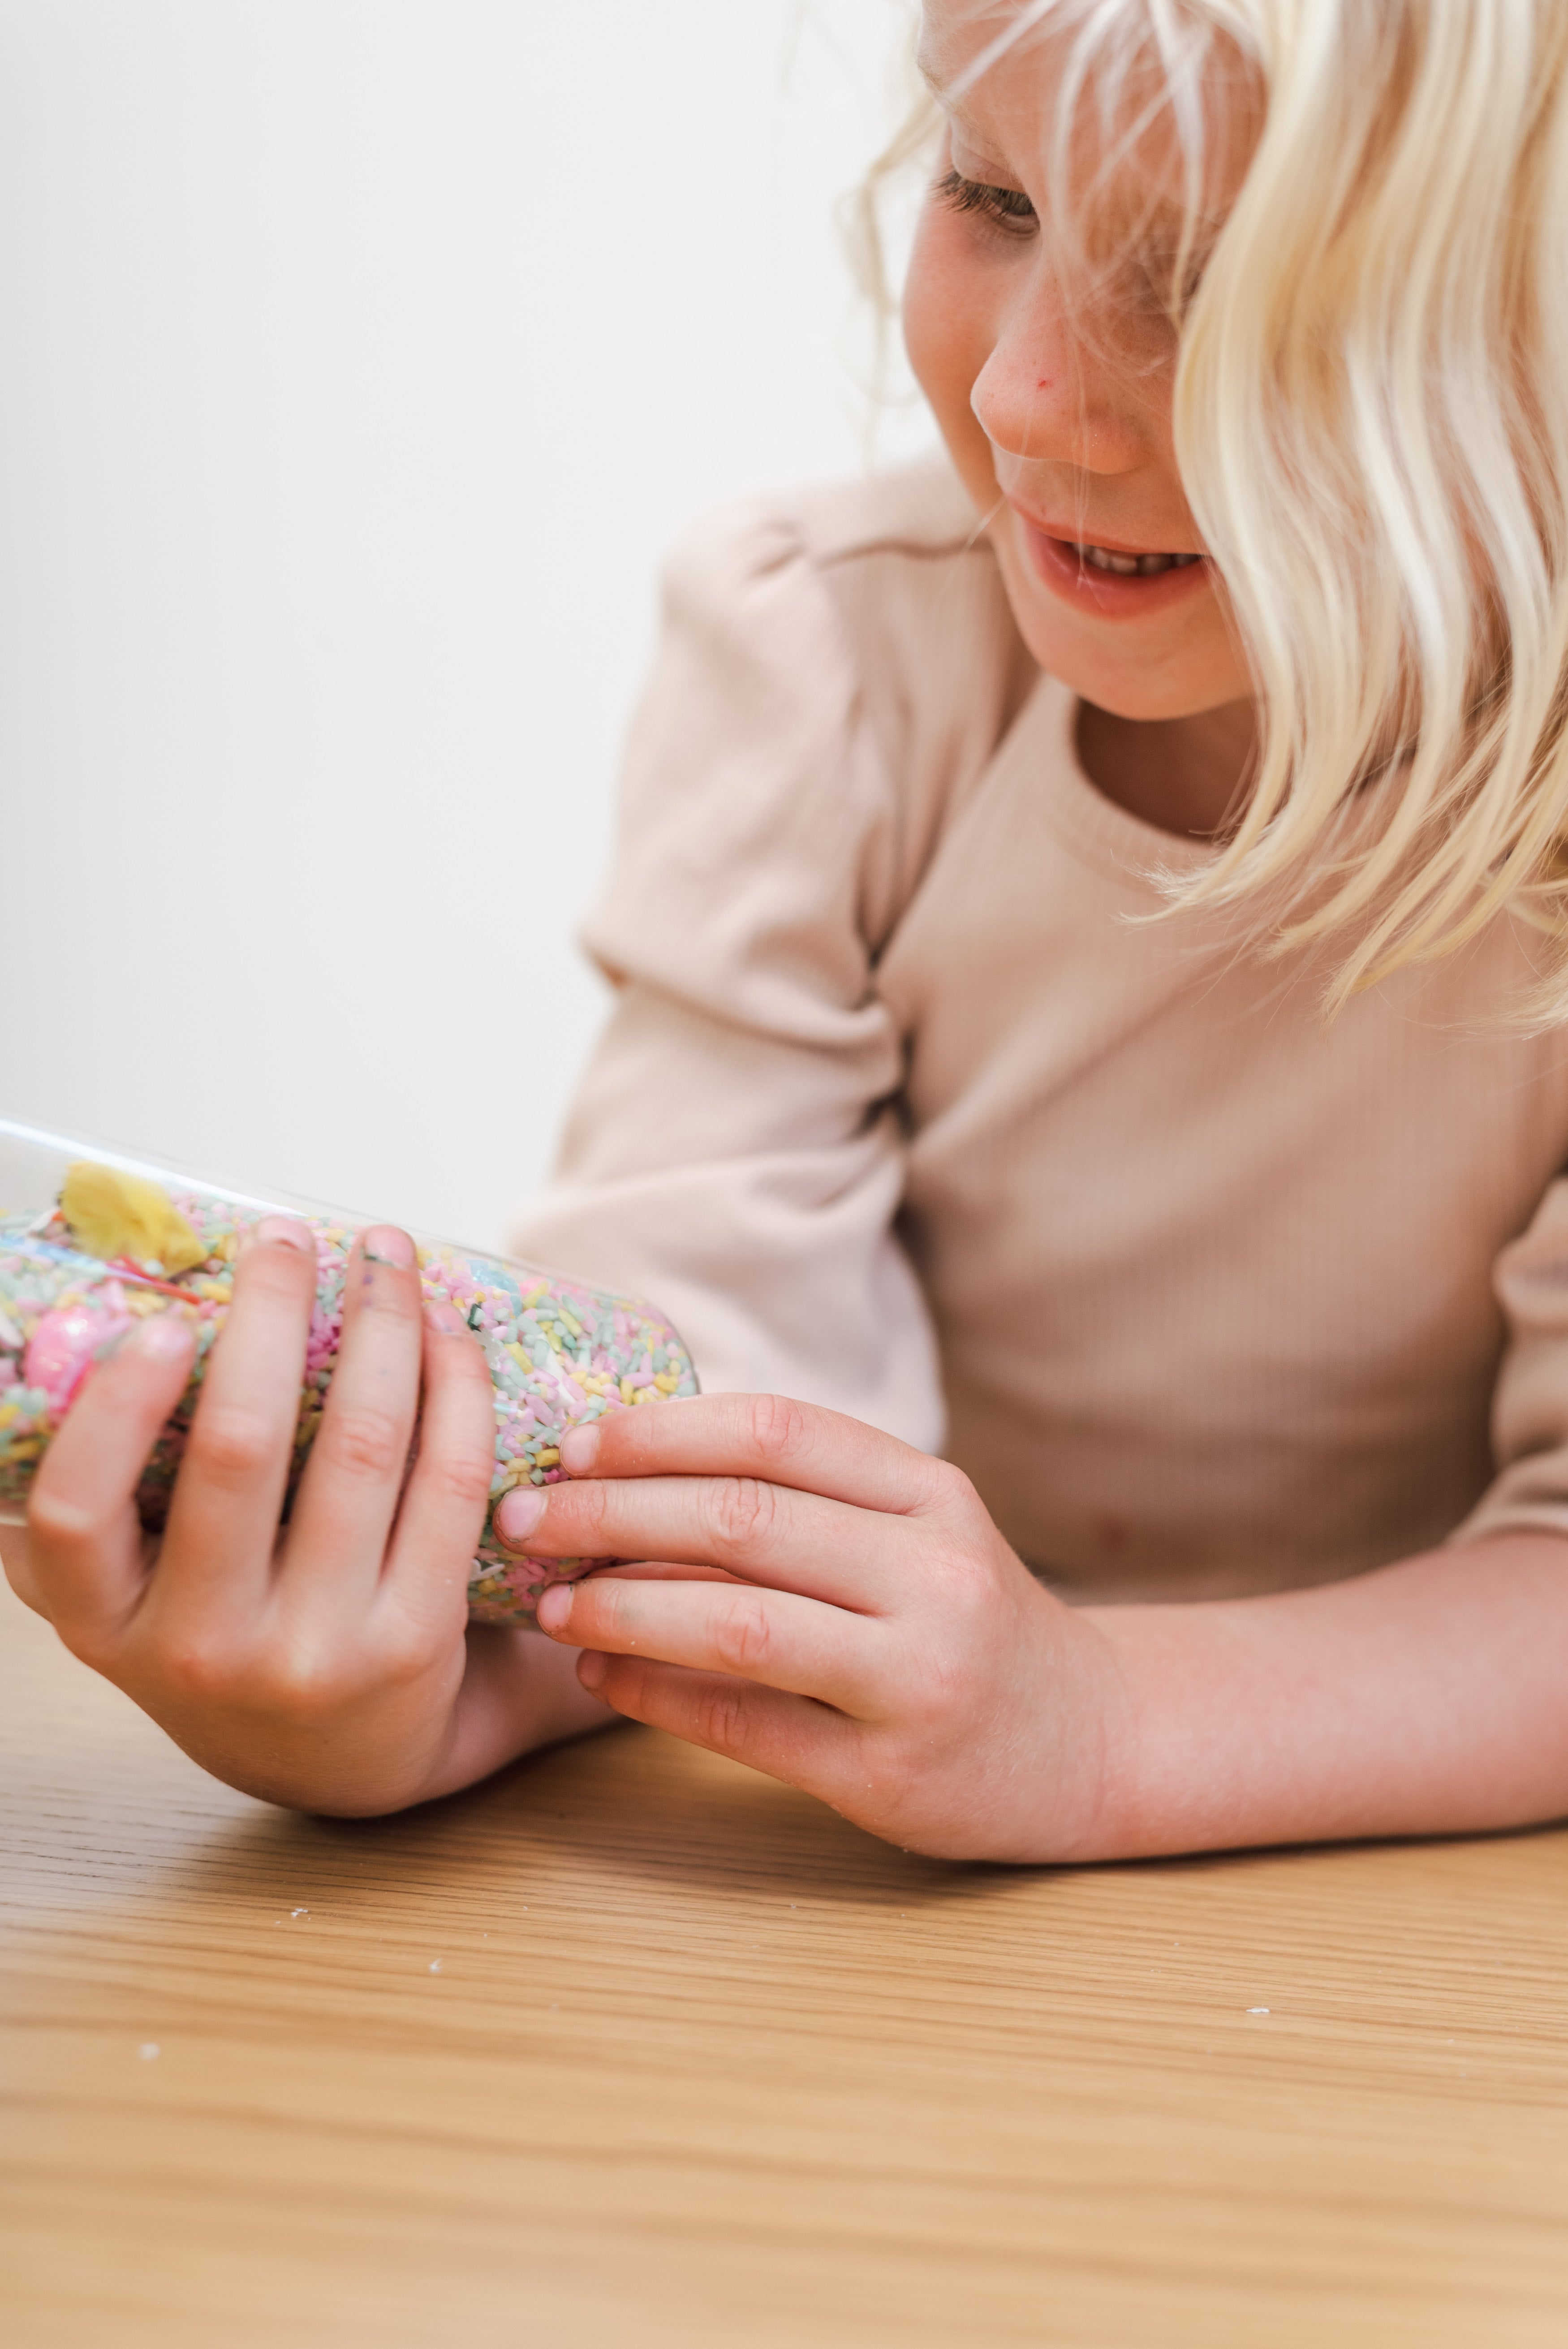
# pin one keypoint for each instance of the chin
(1160, 685)
(1138, 701)
(1144, 674)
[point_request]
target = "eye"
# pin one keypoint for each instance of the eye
(1007, 208)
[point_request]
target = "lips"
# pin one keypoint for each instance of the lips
(1110, 581)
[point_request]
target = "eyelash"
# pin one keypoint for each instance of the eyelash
(1006, 208)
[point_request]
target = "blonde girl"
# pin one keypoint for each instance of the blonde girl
(1088, 1069)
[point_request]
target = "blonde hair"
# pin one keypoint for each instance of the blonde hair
(1371, 420)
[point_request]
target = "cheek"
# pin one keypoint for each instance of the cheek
(948, 331)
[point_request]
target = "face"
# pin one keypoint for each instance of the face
(1054, 393)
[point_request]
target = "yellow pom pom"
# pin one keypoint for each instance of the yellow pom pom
(113, 1215)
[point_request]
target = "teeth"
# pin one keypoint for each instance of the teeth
(1130, 566)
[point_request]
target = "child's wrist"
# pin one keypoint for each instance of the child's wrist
(1097, 1771)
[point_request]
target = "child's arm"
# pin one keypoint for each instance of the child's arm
(887, 1651)
(327, 1667)
(835, 670)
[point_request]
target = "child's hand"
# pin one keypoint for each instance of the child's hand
(855, 1623)
(322, 1665)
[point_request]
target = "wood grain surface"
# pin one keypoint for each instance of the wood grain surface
(630, 2047)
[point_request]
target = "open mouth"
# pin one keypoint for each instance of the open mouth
(1112, 583)
(1130, 566)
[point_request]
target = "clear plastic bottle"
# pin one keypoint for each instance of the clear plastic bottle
(91, 1242)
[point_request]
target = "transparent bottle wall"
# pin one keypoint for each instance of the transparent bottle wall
(91, 1243)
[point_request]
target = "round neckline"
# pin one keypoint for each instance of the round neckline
(1110, 835)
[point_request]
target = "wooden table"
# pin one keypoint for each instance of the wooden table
(633, 2047)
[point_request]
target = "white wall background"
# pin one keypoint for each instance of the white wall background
(359, 359)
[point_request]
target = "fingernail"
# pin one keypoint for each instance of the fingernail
(579, 1450)
(445, 1319)
(385, 1244)
(284, 1231)
(163, 1336)
(519, 1514)
(554, 1608)
(592, 1668)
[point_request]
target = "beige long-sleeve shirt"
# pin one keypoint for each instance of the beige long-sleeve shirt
(897, 1111)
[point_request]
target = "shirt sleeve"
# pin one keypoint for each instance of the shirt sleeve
(736, 1151)
(1530, 1406)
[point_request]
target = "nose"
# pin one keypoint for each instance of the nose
(1046, 393)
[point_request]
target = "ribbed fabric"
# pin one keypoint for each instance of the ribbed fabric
(898, 1110)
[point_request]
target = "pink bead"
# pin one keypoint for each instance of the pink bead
(61, 1350)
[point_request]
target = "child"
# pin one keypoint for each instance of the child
(1092, 952)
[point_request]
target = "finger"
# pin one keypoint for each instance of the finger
(16, 1559)
(654, 1569)
(443, 1510)
(787, 1443)
(86, 1564)
(228, 1495)
(348, 1496)
(762, 1532)
(770, 1637)
(788, 1737)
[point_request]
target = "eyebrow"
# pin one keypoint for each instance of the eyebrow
(954, 107)
(1033, 13)
(928, 76)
